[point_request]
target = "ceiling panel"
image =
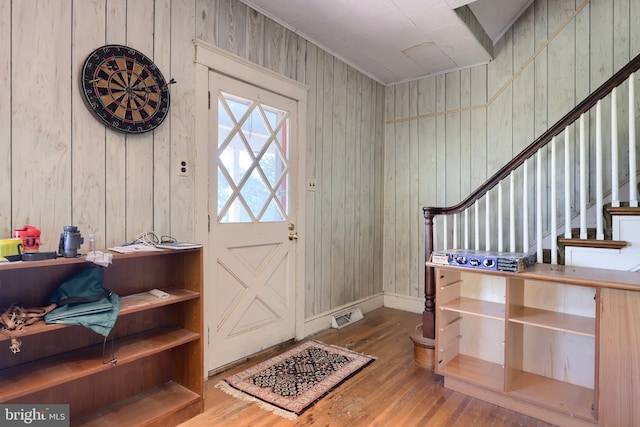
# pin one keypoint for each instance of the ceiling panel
(396, 40)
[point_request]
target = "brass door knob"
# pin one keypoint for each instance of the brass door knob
(293, 235)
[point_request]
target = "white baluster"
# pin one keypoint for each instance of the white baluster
(583, 181)
(512, 213)
(466, 228)
(455, 231)
(567, 185)
(445, 234)
(633, 180)
(615, 197)
(553, 210)
(487, 221)
(499, 216)
(599, 227)
(477, 230)
(525, 207)
(539, 206)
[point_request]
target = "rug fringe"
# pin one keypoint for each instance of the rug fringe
(222, 385)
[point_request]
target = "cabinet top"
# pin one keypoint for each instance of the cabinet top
(5, 266)
(567, 274)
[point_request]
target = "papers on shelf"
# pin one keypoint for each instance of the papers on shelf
(179, 245)
(130, 249)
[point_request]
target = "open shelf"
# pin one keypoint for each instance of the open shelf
(143, 408)
(156, 376)
(556, 395)
(476, 307)
(563, 322)
(128, 304)
(45, 373)
(473, 370)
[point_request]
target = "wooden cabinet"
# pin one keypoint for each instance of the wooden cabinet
(158, 375)
(557, 343)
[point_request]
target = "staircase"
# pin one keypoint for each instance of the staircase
(555, 196)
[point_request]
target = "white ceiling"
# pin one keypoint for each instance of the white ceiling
(396, 40)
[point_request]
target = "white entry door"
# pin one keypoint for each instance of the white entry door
(252, 239)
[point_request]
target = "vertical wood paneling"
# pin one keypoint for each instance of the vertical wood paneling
(206, 22)
(275, 47)
(466, 149)
(402, 206)
(118, 185)
(365, 210)
(255, 37)
(634, 30)
(310, 242)
(88, 151)
(5, 120)
(350, 186)
(523, 115)
(116, 177)
(544, 65)
(452, 136)
(338, 193)
(416, 249)
(382, 157)
(499, 111)
(182, 118)
(326, 185)
(231, 28)
(162, 158)
(379, 201)
(41, 125)
(479, 125)
(427, 155)
(389, 218)
(139, 168)
(319, 196)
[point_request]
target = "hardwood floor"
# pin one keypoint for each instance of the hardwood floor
(392, 391)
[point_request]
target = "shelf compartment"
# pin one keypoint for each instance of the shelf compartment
(128, 304)
(562, 322)
(557, 395)
(143, 409)
(476, 371)
(492, 310)
(32, 377)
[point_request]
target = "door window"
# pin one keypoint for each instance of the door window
(253, 161)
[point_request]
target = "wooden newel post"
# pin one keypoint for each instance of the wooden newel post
(429, 313)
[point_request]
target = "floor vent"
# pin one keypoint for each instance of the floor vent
(346, 318)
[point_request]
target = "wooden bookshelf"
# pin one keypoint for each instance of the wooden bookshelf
(156, 376)
(571, 346)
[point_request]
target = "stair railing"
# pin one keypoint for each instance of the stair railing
(545, 144)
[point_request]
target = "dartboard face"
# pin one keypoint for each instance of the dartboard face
(125, 89)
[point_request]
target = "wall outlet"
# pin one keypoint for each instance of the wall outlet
(311, 184)
(183, 166)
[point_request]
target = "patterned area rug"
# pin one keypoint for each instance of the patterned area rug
(290, 383)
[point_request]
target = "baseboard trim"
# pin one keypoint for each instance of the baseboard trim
(322, 321)
(404, 302)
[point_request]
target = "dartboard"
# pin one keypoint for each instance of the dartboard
(125, 89)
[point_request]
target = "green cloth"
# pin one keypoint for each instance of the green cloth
(82, 300)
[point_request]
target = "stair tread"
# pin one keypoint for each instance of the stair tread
(623, 210)
(593, 243)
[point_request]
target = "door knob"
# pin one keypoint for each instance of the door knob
(293, 235)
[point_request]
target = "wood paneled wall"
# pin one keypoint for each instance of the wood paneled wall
(446, 134)
(60, 166)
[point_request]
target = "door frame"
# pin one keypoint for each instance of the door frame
(210, 58)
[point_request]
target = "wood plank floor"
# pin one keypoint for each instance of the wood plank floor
(392, 391)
